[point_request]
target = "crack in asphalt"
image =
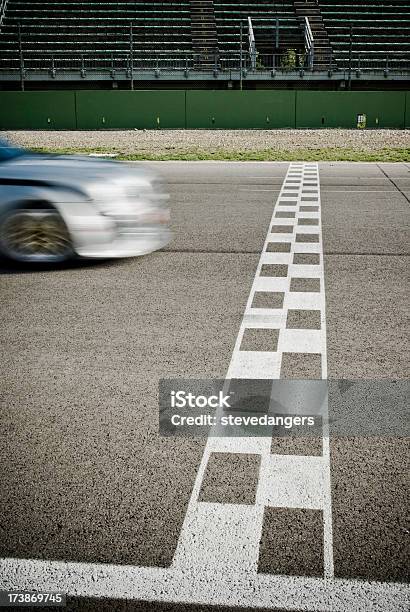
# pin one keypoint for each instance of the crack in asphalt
(393, 183)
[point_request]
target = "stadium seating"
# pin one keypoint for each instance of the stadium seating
(168, 33)
(97, 29)
(100, 29)
(379, 29)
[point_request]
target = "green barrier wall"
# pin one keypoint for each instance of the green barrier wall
(37, 110)
(202, 109)
(340, 108)
(130, 109)
(240, 109)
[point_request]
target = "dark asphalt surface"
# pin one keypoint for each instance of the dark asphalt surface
(366, 240)
(85, 476)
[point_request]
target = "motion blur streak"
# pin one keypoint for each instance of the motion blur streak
(56, 207)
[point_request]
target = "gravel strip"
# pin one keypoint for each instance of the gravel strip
(160, 141)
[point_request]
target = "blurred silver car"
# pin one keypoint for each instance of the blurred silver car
(56, 207)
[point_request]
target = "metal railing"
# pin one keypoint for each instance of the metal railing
(252, 44)
(163, 61)
(309, 44)
(3, 6)
(111, 65)
(362, 62)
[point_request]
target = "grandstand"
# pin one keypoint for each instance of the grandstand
(93, 30)
(133, 42)
(380, 31)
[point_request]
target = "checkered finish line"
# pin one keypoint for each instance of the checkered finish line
(289, 282)
(234, 547)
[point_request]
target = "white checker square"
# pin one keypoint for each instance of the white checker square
(254, 364)
(304, 301)
(301, 341)
(272, 283)
(288, 481)
(269, 257)
(204, 547)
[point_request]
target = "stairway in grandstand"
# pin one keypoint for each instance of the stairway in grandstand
(322, 49)
(204, 34)
(380, 32)
(266, 15)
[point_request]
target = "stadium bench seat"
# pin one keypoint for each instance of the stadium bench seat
(379, 29)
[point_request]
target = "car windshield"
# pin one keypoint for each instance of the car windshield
(8, 152)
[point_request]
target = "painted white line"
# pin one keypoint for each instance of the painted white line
(205, 548)
(255, 364)
(300, 341)
(277, 258)
(165, 585)
(304, 301)
(274, 237)
(305, 271)
(307, 247)
(283, 482)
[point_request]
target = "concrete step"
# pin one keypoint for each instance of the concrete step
(308, 13)
(203, 31)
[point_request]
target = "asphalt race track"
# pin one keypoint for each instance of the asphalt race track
(185, 525)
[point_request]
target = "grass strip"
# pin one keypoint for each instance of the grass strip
(322, 154)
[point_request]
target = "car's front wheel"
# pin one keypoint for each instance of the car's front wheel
(34, 235)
